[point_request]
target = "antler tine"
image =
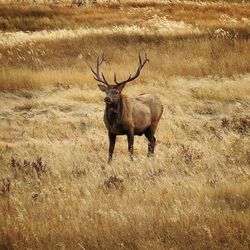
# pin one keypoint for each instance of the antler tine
(137, 73)
(146, 60)
(93, 71)
(102, 60)
(103, 77)
(96, 73)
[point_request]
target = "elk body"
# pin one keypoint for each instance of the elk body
(126, 115)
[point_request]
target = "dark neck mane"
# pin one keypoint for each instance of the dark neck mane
(114, 112)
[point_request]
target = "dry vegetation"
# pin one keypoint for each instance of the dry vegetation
(57, 190)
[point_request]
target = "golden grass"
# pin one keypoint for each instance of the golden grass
(13, 79)
(28, 17)
(57, 190)
(195, 190)
(221, 91)
(51, 62)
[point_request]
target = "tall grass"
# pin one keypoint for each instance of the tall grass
(26, 17)
(57, 190)
(190, 57)
(192, 195)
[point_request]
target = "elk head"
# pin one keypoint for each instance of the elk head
(113, 91)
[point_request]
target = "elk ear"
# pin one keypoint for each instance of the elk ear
(120, 87)
(102, 87)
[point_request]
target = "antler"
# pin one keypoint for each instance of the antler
(137, 73)
(97, 76)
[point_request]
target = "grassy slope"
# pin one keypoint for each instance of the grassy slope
(40, 17)
(193, 195)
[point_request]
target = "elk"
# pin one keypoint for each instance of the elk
(126, 115)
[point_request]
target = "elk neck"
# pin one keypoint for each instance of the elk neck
(114, 112)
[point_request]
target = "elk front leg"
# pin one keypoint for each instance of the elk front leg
(130, 136)
(112, 139)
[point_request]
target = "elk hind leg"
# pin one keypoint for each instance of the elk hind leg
(151, 141)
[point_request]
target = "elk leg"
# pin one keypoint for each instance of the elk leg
(151, 142)
(112, 139)
(130, 136)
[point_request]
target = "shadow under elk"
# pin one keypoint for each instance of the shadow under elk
(126, 115)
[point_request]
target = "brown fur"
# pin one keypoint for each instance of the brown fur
(128, 116)
(133, 116)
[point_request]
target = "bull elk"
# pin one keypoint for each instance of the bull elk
(125, 115)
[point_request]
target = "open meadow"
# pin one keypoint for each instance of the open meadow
(57, 190)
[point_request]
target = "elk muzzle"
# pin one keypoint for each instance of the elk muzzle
(107, 100)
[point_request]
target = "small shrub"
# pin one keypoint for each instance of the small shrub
(114, 182)
(27, 168)
(39, 166)
(189, 154)
(78, 172)
(5, 185)
(240, 125)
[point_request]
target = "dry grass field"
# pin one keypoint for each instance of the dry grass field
(57, 190)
